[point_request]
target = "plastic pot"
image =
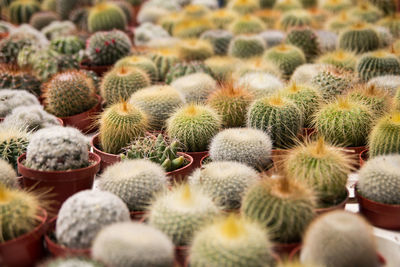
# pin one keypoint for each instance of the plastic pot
(339, 206)
(197, 157)
(27, 249)
(285, 248)
(107, 159)
(379, 214)
(180, 175)
(61, 184)
(355, 152)
(181, 255)
(98, 69)
(363, 157)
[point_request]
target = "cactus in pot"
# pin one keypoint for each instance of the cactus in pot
(140, 62)
(359, 38)
(286, 57)
(179, 70)
(377, 63)
(8, 176)
(383, 137)
(13, 143)
(106, 16)
(10, 99)
(21, 11)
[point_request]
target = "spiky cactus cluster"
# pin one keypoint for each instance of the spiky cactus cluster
(332, 82)
(84, 214)
(69, 45)
(307, 40)
(231, 242)
(13, 143)
(143, 246)
(243, 46)
(286, 57)
(247, 24)
(376, 99)
(69, 93)
(194, 49)
(196, 87)
(21, 11)
(295, 19)
(105, 48)
(18, 79)
(181, 212)
(219, 39)
(260, 84)
(164, 59)
(359, 38)
(142, 63)
(8, 176)
(377, 64)
(383, 137)
(340, 59)
(11, 99)
(185, 68)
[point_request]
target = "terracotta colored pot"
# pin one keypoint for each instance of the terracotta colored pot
(58, 250)
(61, 184)
(197, 156)
(363, 157)
(339, 206)
(107, 159)
(355, 152)
(180, 175)
(99, 70)
(285, 249)
(138, 215)
(181, 255)
(135, 12)
(203, 159)
(27, 249)
(379, 214)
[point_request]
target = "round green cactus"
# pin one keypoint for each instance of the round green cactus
(344, 122)
(159, 102)
(295, 18)
(185, 68)
(340, 59)
(8, 176)
(222, 68)
(126, 8)
(69, 45)
(260, 84)
(21, 11)
(195, 11)
(222, 18)
(338, 23)
(120, 124)
(191, 27)
(19, 79)
(13, 143)
(376, 99)
(383, 137)
(181, 212)
(243, 46)
(336, 6)
(231, 242)
(305, 39)
(49, 5)
(40, 20)
(264, 4)
(247, 24)
(106, 16)
(196, 87)
(164, 60)
(286, 57)
(377, 63)
(386, 6)
(283, 206)
(305, 73)
(392, 23)
(359, 38)
(309, 3)
(121, 82)
(12, 45)
(278, 116)
(219, 39)
(194, 49)
(287, 5)
(64, 7)
(244, 6)
(140, 62)
(69, 93)
(366, 12)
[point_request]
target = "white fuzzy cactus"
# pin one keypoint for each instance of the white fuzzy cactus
(147, 32)
(84, 214)
(260, 84)
(59, 28)
(132, 244)
(304, 73)
(10, 99)
(389, 83)
(28, 30)
(57, 148)
(8, 176)
(327, 40)
(195, 87)
(272, 37)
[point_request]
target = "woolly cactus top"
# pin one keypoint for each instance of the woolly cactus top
(10, 99)
(8, 176)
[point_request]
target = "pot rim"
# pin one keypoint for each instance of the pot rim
(342, 203)
(370, 202)
(85, 114)
(94, 142)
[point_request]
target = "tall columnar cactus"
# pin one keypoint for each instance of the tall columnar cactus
(106, 16)
(105, 48)
(164, 60)
(84, 214)
(147, 247)
(340, 59)
(280, 117)
(20, 11)
(286, 57)
(140, 62)
(134, 181)
(159, 102)
(8, 176)
(19, 79)
(40, 20)
(181, 212)
(231, 242)
(305, 39)
(222, 68)
(69, 45)
(295, 18)
(247, 24)
(243, 6)
(225, 182)
(120, 124)
(193, 126)
(185, 68)
(43, 151)
(196, 87)
(344, 122)
(13, 143)
(219, 39)
(283, 206)
(76, 261)
(191, 28)
(260, 84)
(383, 137)
(10, 99)
(243, 46)
(356, 238)
(194, 49)
(121, 82)
(375, 98)
(359, 38)
(377, 64)
(69, 93)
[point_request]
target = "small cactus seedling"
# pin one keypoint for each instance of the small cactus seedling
(305, 73)
(40, 20)
(8, 176)
(388, 83)
(13, 143)
(383, 139)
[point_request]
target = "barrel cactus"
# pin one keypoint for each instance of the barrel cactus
(305, 39)
(260, 84)
(286, 57)
(295, 18)
(375, 98)
(222, 18)
(194, 49)
(10, 99)
(185, 68)
(13, 143)
(359, 38)
(8, 176)
(366, 12)
(164, 60)
(21, 11)
(305, 73)
(106, 16)
(340, 59)
(383, 137)
(196, 87)
(243, 46)
(219, 40)
(391, 23)
(11, 78)
(377, 63)
(222, 68)
(140, 62)
(247, 24)
(69, 45)
(40, 20)
(243, 6)
(336, 6)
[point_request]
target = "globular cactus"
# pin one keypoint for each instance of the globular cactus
(280, 117)
(13, 143)
(323, 167)
(105, 48)
(344, 122)
(366, 12)
(194, 126)
(158, 102)
(339, 22)
(256, 65)
(388, 83)
(222, 18)
(359, 38)
(377, 63)
(191, 27)
(305, 39)
(232, 242)
(243, 6)
(307, 99)
(106, 16)
(379, 179)
(84, 214)
(150, 14)
(287, 5)
(11, 78)
(164, 59)
(134, 181)
(386, 6)
(245, 145)
(195, 11)
(19, 213)
(383, 137)
(269, 17)
(140, 62)
(79, 17)
(195, 87)
(21, 11)
(185, 68)
(295, 18)
(231, 102)
(69, 93)
(272, 37)
(283, 206)
(309, 3)
(194, 49)
(40, 20)
(71, 261)
(43, 151)
(126, 8)
(120, 124)
(11, 99)
(148, 247)
(222, 68)
(286, 57)
(244, 47)
(32, 118)
(327, 40)
(59, 28)
(181, 212)
(260, 84)
(49, 5)
(12, 45)
(335, 6)
(69, 45)
(8, 176)
(169, 21)
(305, 73)
(340, 59)
(385, 37)
(376, 99)
(219, 40)
(247, 24)
(356, 238)
(121, 82)
(64, 7)
(391, 23)
(225, 182)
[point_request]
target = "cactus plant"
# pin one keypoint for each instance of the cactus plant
(71, 261)
(64, 7)
(195, 87)
(195, 11)
(219, 40)
(126, 8)
(8, 176)
(385, 37)
(264, 4)
(149, 247)
(260, 84)
(286, 57)
(272, 37)
(12, 45)
(339, 22)
(222, 68)
(287, 5)
(278, 116)
(243, 46)
(185, 68)
(336, 6)
(344, 122)
(40, 20)
(386, 6)
(305, 73)
(21, 11)
(10, 99)
(356, 238)
(221, 18)
(69, 45)
(69, 93)
(383, 137)
(194, 49)
(392, 23)
(366, 12)
(11, 78)
(120, 124)
(283, 206)
(169, 21)
(256, 65)
(340, 59)
(105, 48)
(377, 63)
(159, 102)
(164, 60)
(231, 242)
(181, 212)
(247, 24)
(295, 18)
(79, 17)
(327, 40)
(140, 62)
(243, 6)
(194, 126)
(59, 28)
(106, 16)
(225, 182)
(305, 39)
(376, 99)
(388, 83)
(191, 28)
(359, 38)
(84, 214)
(13, 143)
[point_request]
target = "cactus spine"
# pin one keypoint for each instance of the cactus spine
(305, 39)
(13, 143)
(376, 99)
